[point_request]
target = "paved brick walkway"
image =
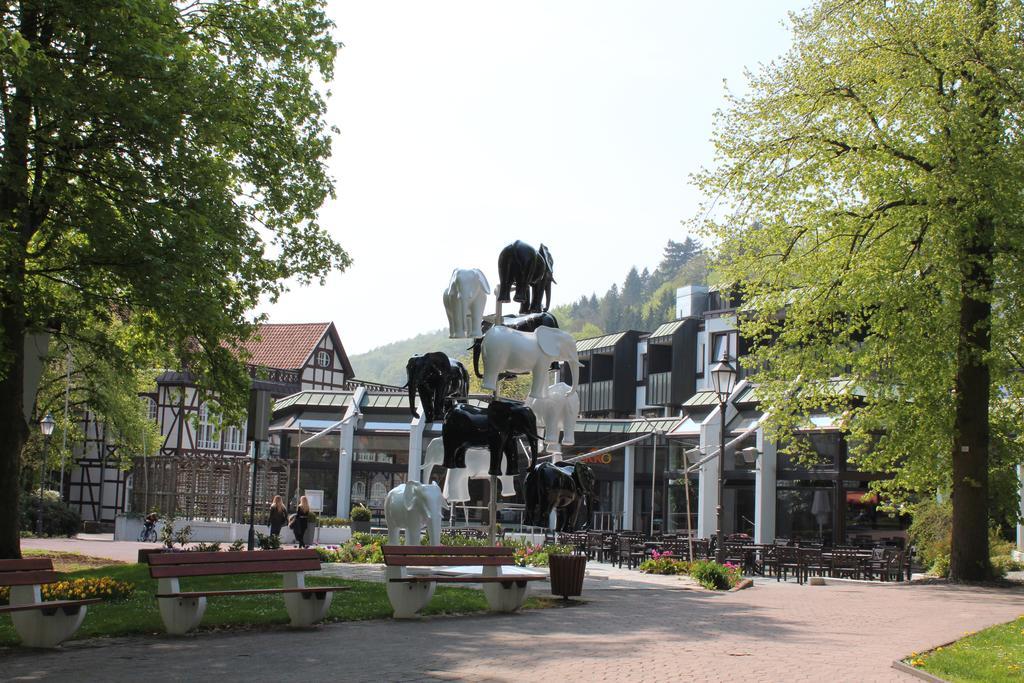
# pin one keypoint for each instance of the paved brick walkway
(625, 632)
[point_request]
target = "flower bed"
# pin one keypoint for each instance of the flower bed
(105, 587)
(707, 573)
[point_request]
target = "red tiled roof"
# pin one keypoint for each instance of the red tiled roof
(284, 345)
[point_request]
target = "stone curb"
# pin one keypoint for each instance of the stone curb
(917, 673)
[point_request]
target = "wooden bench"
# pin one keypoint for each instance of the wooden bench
(39, 623)
(183, 610)
(409, 591)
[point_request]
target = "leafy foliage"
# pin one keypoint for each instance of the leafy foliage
(869, 187)
(58, 518)
(106, 588)
(161, 170)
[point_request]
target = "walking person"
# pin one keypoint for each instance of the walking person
(301, 522)
(278, 516)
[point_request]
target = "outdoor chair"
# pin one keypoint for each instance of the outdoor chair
(630, 551)
(848, 564)
(788, 560)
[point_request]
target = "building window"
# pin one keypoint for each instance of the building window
(234, 438)
(151, 408)
(207, 432)
(359, 491)
(323, 359)
(378, 491)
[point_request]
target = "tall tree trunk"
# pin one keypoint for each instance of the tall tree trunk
(970, 554)
(13, 430)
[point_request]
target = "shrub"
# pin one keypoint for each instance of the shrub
(665, 564)
(267, 541)
(206, 547)
(715, 576)
(931, 531)
(324, 522)
(237, 546)
(82, 589)
(360, 513)
(58, 518)
(529, 555)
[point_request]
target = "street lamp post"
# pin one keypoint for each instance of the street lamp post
(654, 465)
(46, 427)
(723, 375)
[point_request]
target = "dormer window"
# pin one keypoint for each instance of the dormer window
(323, 359)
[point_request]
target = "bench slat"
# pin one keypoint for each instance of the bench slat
(56, 604)
(253, 591)
(28, 578)
(444, 561)
(27, 564)
(466, 579)
(219, 568)
(446, 550)
(167, 559)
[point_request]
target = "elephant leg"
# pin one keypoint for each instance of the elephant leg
(497, 447)
(451, 445)
(522, 293)
(535, 297)
(540, 381)
(449, 309)
(476, 315)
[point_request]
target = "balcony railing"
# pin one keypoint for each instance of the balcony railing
(596, 396)
(659, 388)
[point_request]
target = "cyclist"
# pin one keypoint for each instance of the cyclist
(149, 527)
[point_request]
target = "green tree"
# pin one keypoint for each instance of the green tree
(881, 159)
(162, 165)
(677, 255)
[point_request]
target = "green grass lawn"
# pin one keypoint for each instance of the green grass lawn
(139, 614)
(993, 656)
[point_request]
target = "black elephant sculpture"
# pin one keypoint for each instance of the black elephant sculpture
(524, 323)
(496, 427)
(438, 380)
(568, 488)
(530, 271)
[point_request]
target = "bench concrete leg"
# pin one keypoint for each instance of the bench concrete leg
(305, 609)
(180, 615)
(502, 598)
(37, 628)
(407, 598)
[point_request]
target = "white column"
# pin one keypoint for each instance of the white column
(765, 490)
(628, 470)
(1020, 527)
(416, 428)
(707, 486)
(347, 446)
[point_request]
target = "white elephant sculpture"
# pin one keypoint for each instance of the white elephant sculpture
(411, 506)
(557, 411)
(456, 484)
(464, 302)
(508, 350)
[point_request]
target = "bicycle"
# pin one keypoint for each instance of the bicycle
(148, 534)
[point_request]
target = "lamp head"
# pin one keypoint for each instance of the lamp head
(723, 376)
(46, 425)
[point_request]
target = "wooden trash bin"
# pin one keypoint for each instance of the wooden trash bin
(567, 574)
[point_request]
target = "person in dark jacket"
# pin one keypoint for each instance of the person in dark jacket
(278, 516)
(301, 522)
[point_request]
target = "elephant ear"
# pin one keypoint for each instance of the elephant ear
(409, 496)
(451, 280)
(483, 281)
(551, 341)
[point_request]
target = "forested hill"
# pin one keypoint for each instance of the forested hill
(644, 300)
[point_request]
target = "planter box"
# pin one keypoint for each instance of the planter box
(333, 535)
(567, 574)
(360, 526)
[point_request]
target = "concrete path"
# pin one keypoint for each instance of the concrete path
(627, 630)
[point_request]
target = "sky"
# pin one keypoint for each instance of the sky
(466, 125)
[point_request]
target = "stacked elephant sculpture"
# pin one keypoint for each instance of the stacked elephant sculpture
(530, 271)
(567, 488)
(464, 301)
(438, 380)
(497, 428)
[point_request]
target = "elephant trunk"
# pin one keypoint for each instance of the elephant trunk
(477, 343)
(412, 395)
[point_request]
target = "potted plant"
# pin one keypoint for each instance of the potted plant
(567, 572)
(360, 516)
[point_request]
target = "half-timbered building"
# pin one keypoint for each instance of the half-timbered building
(281, 358)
